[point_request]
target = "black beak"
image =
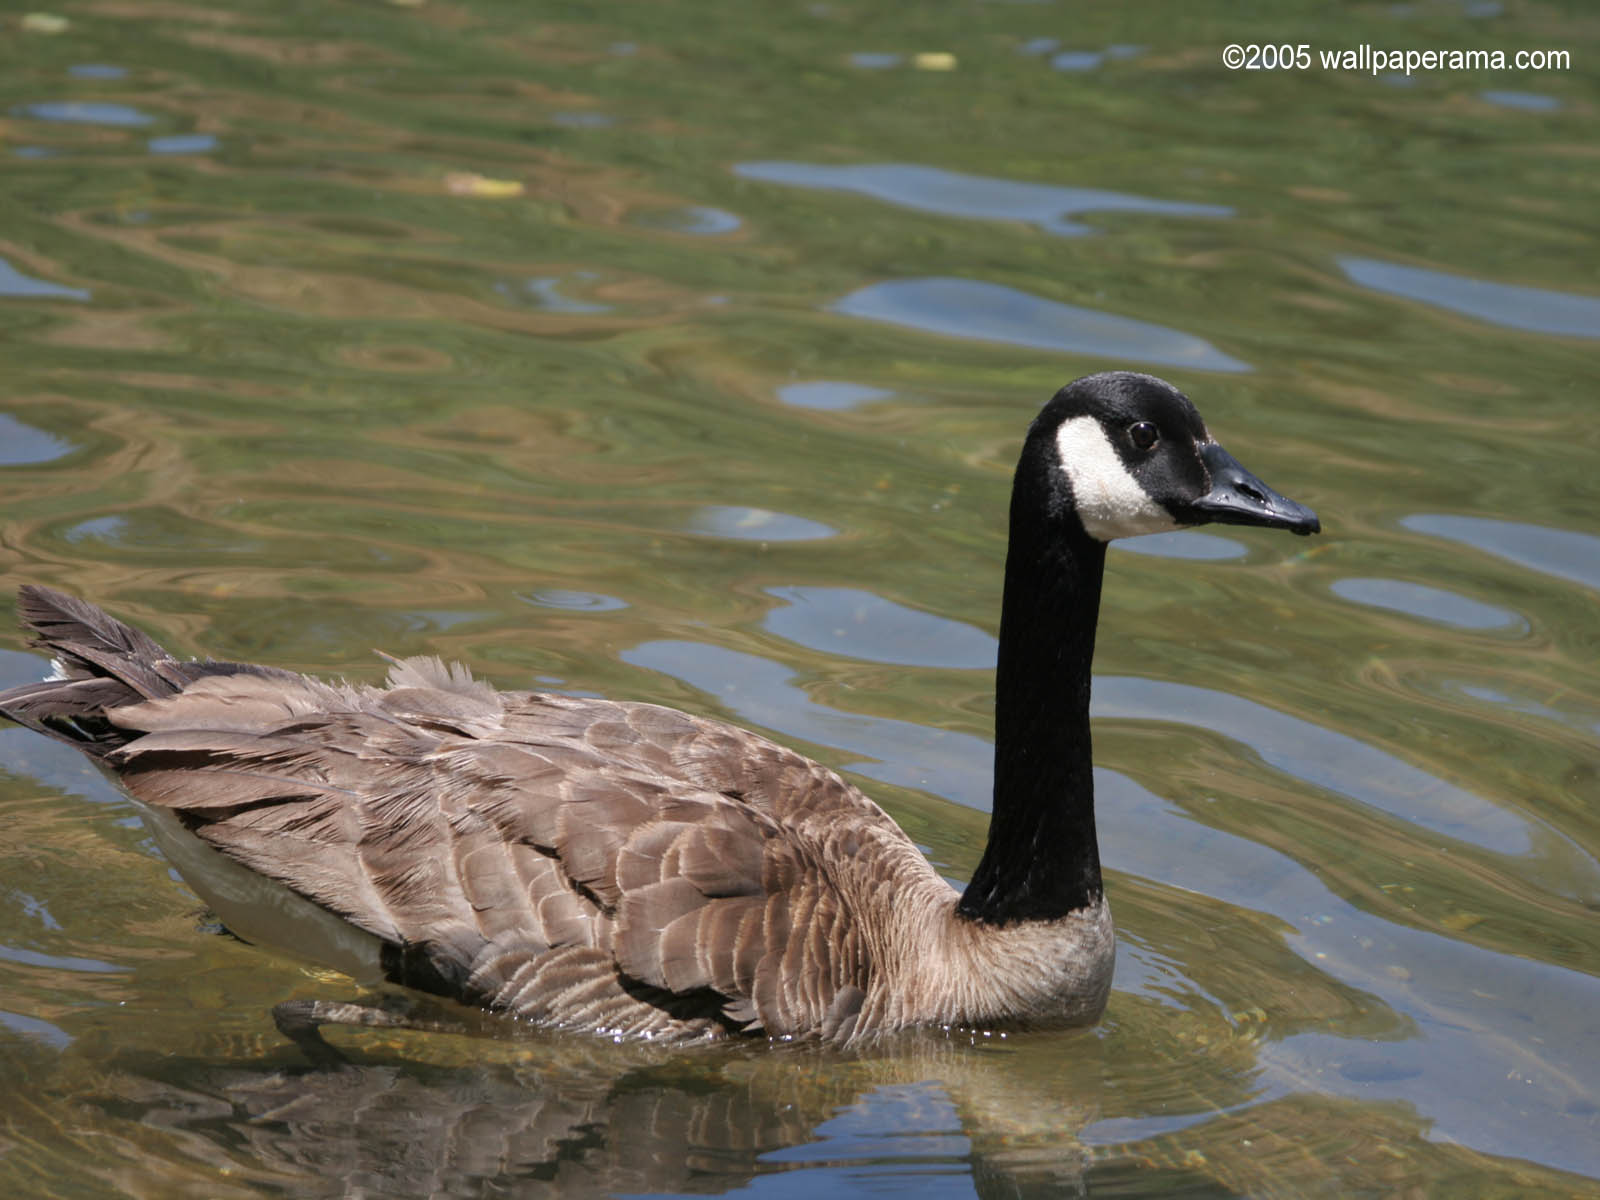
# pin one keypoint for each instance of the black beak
(1239, 498)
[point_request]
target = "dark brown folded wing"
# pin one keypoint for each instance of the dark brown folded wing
(576, 862)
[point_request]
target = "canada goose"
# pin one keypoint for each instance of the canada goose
(634, 870)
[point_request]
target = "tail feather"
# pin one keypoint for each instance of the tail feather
(86, 640)
(103, 663)
(70, 711)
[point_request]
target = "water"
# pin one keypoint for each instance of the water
(991, 312)
(681, 352)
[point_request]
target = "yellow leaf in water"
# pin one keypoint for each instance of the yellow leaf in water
(464, 183)
(934, 60)
(44, 23)
(1460, 921)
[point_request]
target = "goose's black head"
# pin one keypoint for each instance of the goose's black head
(1123, 454)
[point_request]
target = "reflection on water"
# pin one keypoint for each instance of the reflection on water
(1589, 724)
(14, 283)
(1428, 603)
(1459, 1062)
(1564, 553)
(32, 1027)
(183, 143)
(96, 71)
(84, 112)
(1535, 309)
(952, 194)
(696, 219)
(57, 962)
(548, 291)
(830, 395)
(1321, 757)
(755, 525)
(1077, 60)
(1199, 547)
(23, 445)
(874, 60)
(575, 601)
(1528, 101)
(967, 308)
(852, 1145)
(858, 624)
(106, 529)
(592, 1121)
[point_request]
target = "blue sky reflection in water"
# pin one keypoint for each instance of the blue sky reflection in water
(14, 283)
(1427, 603)
(992, 312)
(1564, 553)
(1536, 309)
(23, 445)
(673, 353)
(953, 194)
(83, 112)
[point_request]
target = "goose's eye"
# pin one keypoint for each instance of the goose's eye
(1144, 434)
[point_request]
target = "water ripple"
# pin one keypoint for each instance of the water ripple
(1333, 761)
(953, 194)
(14, 283)
(548, 291)
(183, 143)
(1469, 1068)
(1427, 603)
(1527, 101)
(859, 624)
(830, 395)
(1564, 553)
(35, 1027)
(756, 525)
(696, 219)
(991, 312)
(23, 445)
(84, 112)
(1536, 310)
(573, 601)
(1185, 544)
(57, 962)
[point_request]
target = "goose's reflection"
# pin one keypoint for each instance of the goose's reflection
(580, 1117)
(416, 1111)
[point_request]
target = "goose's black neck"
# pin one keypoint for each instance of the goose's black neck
(1042, 860)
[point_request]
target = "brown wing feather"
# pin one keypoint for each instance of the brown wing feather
(576, 862)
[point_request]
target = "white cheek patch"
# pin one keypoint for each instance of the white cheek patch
(1110, 502)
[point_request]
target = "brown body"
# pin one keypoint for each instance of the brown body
(622, 868)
